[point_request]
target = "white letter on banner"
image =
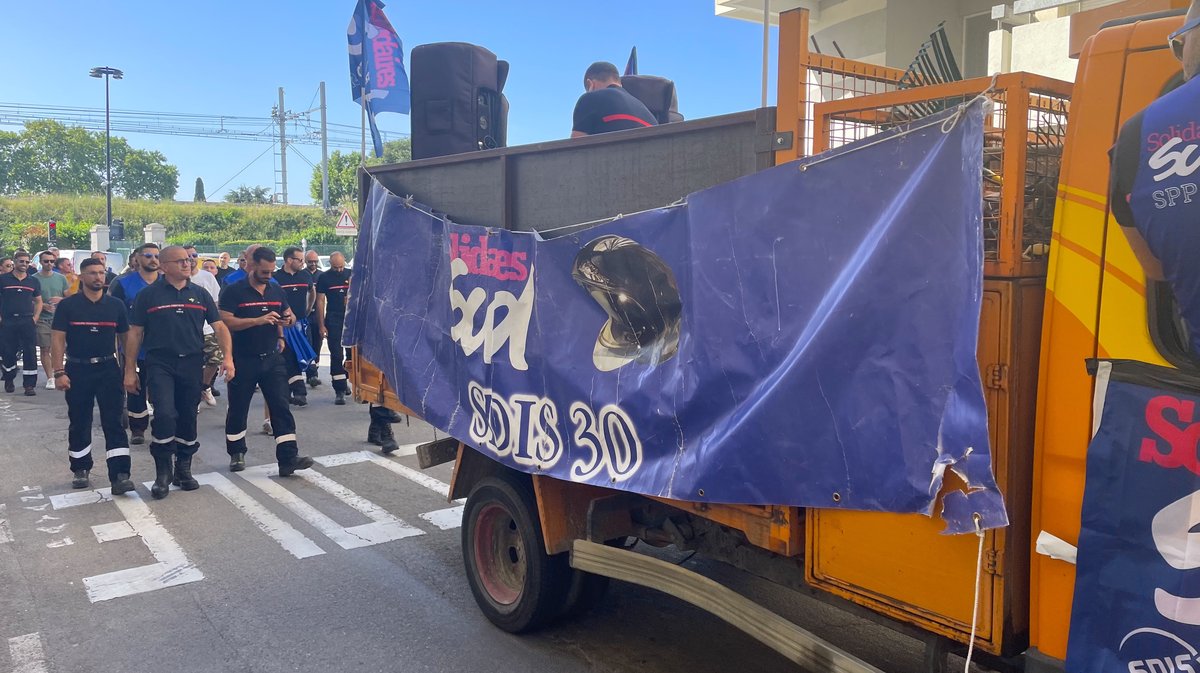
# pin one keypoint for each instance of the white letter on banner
(513, 329)
(1180, 548)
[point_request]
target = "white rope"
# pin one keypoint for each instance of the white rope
(975, 609)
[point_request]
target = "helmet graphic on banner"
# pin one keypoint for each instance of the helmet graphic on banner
(637, 290)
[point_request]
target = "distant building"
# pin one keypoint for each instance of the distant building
(1040, 36)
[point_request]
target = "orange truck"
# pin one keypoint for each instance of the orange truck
(1061, 286)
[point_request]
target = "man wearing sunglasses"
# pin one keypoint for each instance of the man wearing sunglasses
(20, 304)
(126, 288)
(54, 289)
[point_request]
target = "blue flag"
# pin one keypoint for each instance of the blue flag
(376, 65)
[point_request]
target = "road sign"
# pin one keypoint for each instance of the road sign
(345, 225)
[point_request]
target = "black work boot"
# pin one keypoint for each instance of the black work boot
(81, 479)
(9, 386)
(387, 440)
(137, 437)
(339, 398)
(121, 483)
(163, 473)
(313, 381)
(237, 462)
(183, 474)
(375, 432)
(297, 463)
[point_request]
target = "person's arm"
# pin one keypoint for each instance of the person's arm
(321, 314)
(133, 344)
(312, 299)
(37, 307)
(579, 117)
(236, 324)
(58, 349)
(226, 343)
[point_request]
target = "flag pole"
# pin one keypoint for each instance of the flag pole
(363, 152)
(362, 156)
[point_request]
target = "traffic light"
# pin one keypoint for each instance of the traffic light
(52, 233)
(116, 230)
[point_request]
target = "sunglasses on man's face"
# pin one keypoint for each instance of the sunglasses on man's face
(149, 255)
(1175, 40)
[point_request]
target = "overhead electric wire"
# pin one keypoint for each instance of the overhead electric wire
(218, 189)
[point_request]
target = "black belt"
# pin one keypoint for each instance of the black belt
(91, 361)
(19, 315)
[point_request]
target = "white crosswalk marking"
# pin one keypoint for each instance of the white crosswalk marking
(383, 527)
(415, 476)
(173, 567)
(5, 529)
(27, 654)
(288, 537)
(445, 519)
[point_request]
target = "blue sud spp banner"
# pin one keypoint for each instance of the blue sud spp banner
(1137, 590)
(803, 336)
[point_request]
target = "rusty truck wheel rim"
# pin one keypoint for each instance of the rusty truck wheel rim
(499, 555)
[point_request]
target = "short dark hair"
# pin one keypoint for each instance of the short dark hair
(263, 254)
(602, 71)
(46, 252)
(189, 246)
(289, 251)
(19, 254)
(149, 245)
(58, 263)
(90, 262)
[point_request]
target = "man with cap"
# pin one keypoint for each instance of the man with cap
(256, 310)
(167, 318)
(84, 333)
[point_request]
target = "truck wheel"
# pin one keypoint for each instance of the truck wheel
(516, 584)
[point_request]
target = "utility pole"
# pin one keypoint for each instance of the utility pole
(324, 154)
(282, 147)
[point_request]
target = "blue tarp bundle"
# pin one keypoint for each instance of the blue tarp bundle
(802, 336)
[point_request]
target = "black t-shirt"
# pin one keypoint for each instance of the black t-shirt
(295, 286)
(610, 109)
(173, 319)
(91, 326)
(316, 276)
(221, 273)
(243, 301)
(18, 296)
(333, 284)
(1124, 157)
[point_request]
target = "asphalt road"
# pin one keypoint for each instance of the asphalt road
(355, 567)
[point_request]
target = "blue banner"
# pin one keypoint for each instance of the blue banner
(1137, 589)
(802, 336)
(376, 65)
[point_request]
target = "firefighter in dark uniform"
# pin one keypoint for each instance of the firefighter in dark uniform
(331, 316)
(301, 292)
(20, 306)
(168, 318)
(126, 288)
(1155, 187)
(256, 310)
(312, 264)
(85, 329)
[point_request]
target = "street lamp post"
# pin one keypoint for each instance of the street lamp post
(107, 73)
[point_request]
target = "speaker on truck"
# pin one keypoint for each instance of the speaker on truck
(657, 94)
(458, 104)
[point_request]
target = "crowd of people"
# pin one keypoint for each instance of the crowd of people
(150, 345)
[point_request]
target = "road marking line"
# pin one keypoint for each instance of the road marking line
(445, 519)
(383, 528)
(30, 498)
(173, 567)
(52, 530)
(412, 475)
(27, 654)
(64, 542)
(5, 529)
(36, 508)
(292, 540)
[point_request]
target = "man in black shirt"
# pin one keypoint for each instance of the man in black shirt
(167, 318)
(109, 276)
(301, 292)
(255, 310)
(85, 329)
(20, 308)
(607, 106)
(312, 264)
(143, 272)
(331, 316)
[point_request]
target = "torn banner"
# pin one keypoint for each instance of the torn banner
(794, 337)
(1137, 582)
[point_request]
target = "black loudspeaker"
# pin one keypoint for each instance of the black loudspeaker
(458, 104)
(657, 94)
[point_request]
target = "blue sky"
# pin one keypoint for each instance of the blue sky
(227, 57)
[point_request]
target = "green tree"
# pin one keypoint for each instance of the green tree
(343, 171)
(246, 194)
(199, 194)
(49, 157)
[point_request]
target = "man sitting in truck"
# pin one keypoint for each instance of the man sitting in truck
(1154, 186)
(607, 106)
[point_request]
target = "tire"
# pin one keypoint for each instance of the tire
(517, 586)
